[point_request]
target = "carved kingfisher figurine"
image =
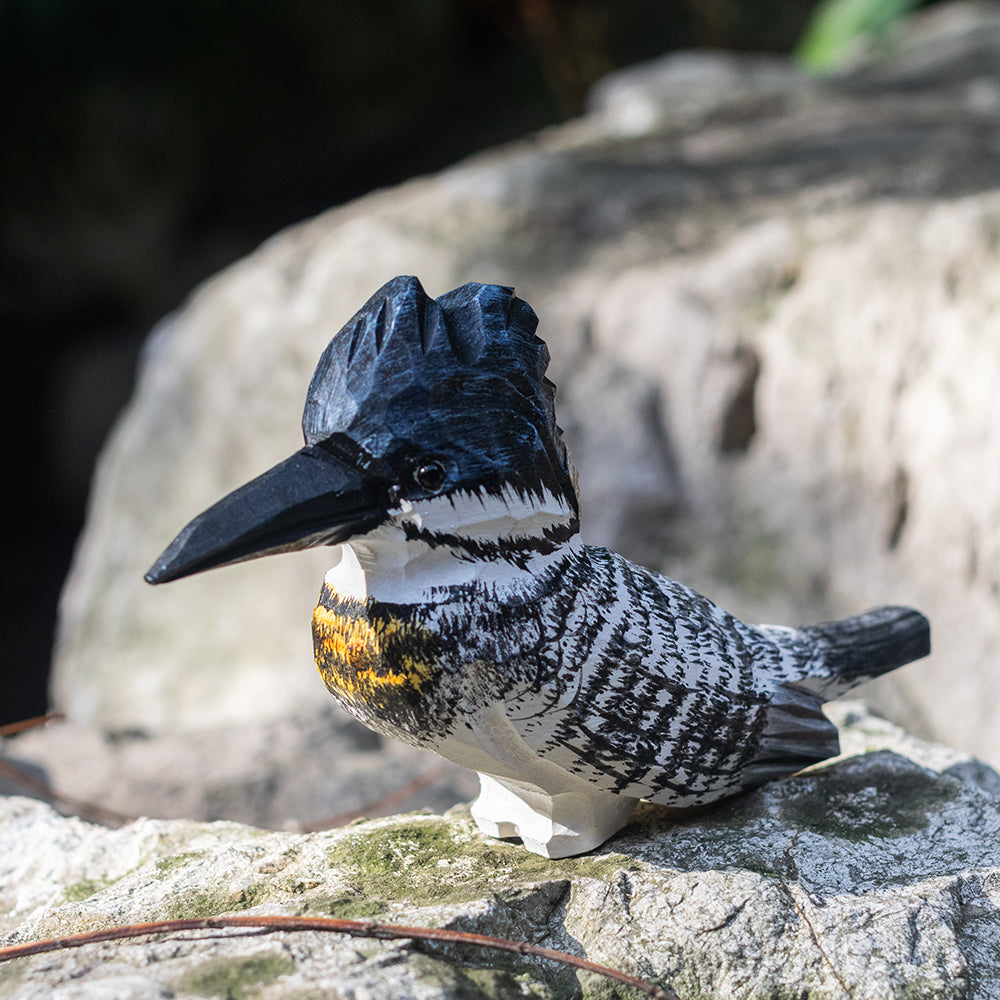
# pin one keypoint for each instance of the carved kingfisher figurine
(462, 613)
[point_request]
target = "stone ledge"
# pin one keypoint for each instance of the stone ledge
(876, 875)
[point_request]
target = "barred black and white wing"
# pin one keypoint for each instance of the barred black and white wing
(647, 689)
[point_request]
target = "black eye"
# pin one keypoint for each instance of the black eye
(429, 475)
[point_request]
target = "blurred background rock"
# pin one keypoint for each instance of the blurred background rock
(144, 147)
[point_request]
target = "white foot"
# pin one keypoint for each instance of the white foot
(555, 826)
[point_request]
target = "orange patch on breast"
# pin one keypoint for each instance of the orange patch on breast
(365, 658)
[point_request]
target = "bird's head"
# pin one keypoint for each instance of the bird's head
(426, 419)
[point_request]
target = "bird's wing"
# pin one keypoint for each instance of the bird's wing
(652, 690)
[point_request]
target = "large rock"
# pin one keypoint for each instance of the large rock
(774, 315)
(874, 877)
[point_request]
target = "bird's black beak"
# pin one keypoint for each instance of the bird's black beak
(312, 498)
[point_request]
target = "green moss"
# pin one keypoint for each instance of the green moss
(345, 907)
(166, 865)
(880, 802)
(433, 860)
(236, 978)
(462, 982)
(489, 976)
(842, 800)
(595, 987)
(85, 889)
(493, 983)
(208, 903)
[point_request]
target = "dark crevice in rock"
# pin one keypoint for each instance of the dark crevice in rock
(739, 420)
(900, 507)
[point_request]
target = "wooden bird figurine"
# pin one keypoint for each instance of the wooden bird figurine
(462, 613)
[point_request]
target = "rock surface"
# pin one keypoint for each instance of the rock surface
(773, 310)
(288, 773)
(875, 876)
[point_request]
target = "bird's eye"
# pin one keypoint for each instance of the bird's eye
(429, 475)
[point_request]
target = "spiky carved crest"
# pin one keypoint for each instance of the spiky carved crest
(461, 376)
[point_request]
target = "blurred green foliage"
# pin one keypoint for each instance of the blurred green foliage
(840, 30)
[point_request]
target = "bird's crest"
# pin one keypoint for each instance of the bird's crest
(406, 363)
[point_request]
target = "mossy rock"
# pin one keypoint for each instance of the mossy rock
(423, 860)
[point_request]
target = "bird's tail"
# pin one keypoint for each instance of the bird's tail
(858, 649)
(841, 655)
